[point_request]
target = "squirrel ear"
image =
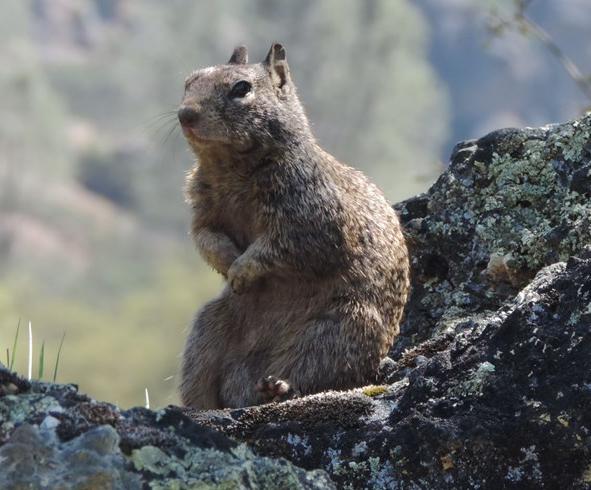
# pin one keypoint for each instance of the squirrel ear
(276, 63)
(239, 56)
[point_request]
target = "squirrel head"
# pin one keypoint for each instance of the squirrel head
(242, 107)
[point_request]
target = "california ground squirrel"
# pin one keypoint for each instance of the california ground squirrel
(316, 264)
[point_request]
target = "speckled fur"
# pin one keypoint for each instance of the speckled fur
(316, 264)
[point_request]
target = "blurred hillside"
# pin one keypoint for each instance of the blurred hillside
(512, 80)
(93, 226)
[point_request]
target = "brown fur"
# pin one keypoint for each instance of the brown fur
(316, 264)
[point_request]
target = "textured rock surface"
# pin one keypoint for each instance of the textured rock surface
(34, 458)
(505, 403)
(52, 437)
(509, 204)
(489, 385)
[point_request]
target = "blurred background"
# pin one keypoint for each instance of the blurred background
(93, 228)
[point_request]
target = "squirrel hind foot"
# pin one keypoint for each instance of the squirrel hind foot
(273, 389)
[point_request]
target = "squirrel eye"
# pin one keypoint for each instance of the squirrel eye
(240, 89)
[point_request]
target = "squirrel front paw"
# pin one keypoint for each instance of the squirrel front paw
(273, 389)
(242, 274)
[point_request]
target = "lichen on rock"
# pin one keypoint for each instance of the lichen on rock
(510, 203)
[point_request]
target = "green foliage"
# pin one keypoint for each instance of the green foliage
(374, 390)
(41, 361)
(13, 354)
(57, 358)
(109, 175)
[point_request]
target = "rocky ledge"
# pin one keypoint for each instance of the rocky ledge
(489, 385)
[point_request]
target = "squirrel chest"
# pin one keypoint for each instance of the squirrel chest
(232, 208)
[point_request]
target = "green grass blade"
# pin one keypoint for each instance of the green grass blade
(57, 359)
(7, 357)
(41, 360)
(18, 326)
(30, 357)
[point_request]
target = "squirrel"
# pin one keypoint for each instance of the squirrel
(315, 261)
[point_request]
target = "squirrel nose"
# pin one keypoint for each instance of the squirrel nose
(187, 116)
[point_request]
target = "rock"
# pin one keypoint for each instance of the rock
(53, 437)
(503, 403)
(34, 458)
(509, 204)
(488, 386)
(10, 384)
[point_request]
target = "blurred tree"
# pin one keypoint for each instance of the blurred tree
(33, 119)
(109, 174)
